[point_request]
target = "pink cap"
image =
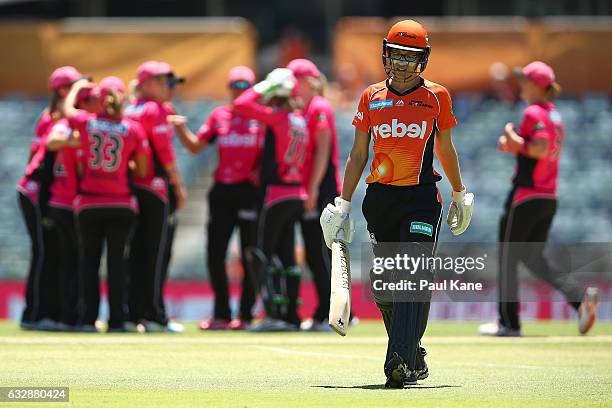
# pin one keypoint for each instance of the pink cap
(154, 68)
(63, 76)
(241, 73)
(111, 82)
(541, 74)
(304, 67)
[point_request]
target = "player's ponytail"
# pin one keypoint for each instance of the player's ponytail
(553, 91)
(55, 105)
(113, 104)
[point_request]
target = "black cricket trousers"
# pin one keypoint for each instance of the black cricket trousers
(231, 205)
(523, 231)
(113, 225)
(403, 214)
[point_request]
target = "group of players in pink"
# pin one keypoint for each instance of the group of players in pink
(102, 173)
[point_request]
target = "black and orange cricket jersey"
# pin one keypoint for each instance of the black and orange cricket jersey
(403, 126)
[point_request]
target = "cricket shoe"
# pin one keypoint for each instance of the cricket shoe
(312, 325)
(86, 328)
(214, 324)
(174, 327)
(398, 374)
(47, 324)
(587, 312)
(420, 366)
(498, 330)
(238, 324)
(269, 325)
(150, 326)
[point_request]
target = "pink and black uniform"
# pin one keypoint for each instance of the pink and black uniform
(64, 250)
(538, 178)
(320, 117)
(232, 200)
(531, 206)
(105, 206)
(153, 238)
(282, 177)
(33, 196)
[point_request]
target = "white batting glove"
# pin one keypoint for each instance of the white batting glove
(460, 212)
(336, 222)
(279, 82)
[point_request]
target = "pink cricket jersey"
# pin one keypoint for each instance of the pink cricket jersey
(65, 181)
(239, 140)
(284, 149)
(538, 178)
(27, 185)
(107, 145)
(320, 116)
(152, 116)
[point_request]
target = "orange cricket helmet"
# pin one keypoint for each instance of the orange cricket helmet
(407, 35)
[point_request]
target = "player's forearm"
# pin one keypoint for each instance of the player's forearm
(174, 175)
(189, 140)
(355, 164)
(447, 155)
(321, 160)
(514, 141)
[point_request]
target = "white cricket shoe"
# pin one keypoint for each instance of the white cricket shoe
(497, 330)
(587, 312)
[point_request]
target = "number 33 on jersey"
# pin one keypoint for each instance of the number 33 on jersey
(403, 126)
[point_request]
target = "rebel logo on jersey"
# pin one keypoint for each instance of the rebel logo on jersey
(399, 129)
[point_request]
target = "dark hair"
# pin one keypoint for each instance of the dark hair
(288, 103)
(553, 90)
(54, 105)
(113, 105)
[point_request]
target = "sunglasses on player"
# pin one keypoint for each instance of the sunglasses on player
(240, 85)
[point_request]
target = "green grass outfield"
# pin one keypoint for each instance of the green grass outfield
(550, 367)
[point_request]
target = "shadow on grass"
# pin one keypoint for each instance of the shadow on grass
(382, 387)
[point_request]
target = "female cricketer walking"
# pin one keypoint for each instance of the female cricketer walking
(33, 194)
(233, 198)
(532, 203)
(409, 119)
(105, 208)
(284, 194)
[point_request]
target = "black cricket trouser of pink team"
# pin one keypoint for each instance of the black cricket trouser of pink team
(523, 231)
(276, 225)
(231, 205)
(95, 226)
(35, 307)
(63, 254)
(149, 258)
(318, 256)
(390, 212)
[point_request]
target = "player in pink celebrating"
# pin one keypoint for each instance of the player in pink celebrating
(233, 198)
(282, 173)
(159, 194)
(532, 203)
(321, 179)
(63, 191)
(33, 195)
(105, 207)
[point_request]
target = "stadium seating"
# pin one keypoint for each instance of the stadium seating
(585, 210)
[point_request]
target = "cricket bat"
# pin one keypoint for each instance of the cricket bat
(340, 298)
